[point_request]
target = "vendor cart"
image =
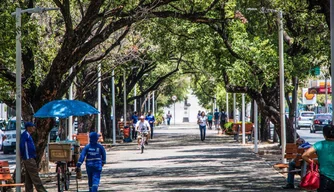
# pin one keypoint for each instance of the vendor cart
(65, 155)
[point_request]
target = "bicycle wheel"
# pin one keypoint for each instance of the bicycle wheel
(60, 178)
(63, 177)
(142, 144)
(67, 177)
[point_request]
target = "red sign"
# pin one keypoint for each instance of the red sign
(319, 90)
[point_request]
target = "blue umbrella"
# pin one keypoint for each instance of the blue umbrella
(65, 108)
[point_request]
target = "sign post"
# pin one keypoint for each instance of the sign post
(174, 99)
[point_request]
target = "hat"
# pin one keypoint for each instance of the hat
(29, 124)
(301, 140)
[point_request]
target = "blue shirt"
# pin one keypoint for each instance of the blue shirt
(134, 119)
(27, 146)
(150, 119)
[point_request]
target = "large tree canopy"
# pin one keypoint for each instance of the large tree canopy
(212, 42)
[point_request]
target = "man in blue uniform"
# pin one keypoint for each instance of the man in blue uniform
(28, 155)
(151, 120)
(95, 155)
(134, 122)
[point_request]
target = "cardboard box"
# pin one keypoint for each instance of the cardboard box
(60, 152)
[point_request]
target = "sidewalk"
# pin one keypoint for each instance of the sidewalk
(177, 160)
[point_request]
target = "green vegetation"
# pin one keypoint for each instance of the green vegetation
(212, 47)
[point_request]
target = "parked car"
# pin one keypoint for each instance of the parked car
(320, 121)
(3, 125)
(305, 119)
(9, 144)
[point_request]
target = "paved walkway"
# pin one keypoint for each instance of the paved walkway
(177, 160)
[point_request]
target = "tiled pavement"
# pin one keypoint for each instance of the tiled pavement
(177, 160)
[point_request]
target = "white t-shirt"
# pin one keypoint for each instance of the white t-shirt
(143, 126)
(1, 135)
(202, 120)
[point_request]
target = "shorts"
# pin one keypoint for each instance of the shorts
(216, 122)
(145, 134)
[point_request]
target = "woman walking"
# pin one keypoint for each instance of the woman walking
(210, 117)
(202, 122)
(325, 152)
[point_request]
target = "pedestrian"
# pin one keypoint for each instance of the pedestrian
(325, 152)
(150, 118)
(134, 119)
(210, 117)
(292, 166)
(28, 155)
(216, 118)
(223, 118)
(202, 122)
(168, 117)
(95, 156)
(2, 137)
(199, 114)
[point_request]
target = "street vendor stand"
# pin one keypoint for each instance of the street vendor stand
(64, 153)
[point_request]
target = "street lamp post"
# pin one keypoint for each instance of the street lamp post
(227, 111)
(281, 73)
(124, 98)
(135, 91)
(135, 102)
(113, 108)
(332, 53)
(99, 98)
(18, 98)
(243, 119)
(234, 108)
(153, 101)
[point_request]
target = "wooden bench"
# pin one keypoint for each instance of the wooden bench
(83, 138)
(237, 130)
(6, 178)
(292, 152)
(121, 125)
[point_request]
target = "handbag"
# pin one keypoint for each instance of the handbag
(311, 180)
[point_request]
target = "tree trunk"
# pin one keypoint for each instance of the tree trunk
(264, 128)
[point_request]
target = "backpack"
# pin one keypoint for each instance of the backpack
(216, 115)
(223, 116)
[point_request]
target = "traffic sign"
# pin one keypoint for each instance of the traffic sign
(174, 97)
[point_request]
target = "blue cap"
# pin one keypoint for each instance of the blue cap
(29, 124)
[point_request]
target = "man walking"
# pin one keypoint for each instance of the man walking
(216, 117)
(168, 117)
(134, 122)
(95, 156)
(151, 120)
(28, 155)
(223, 118)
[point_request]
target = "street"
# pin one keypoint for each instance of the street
(177, 160)
(310, 137)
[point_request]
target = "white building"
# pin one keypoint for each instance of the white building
(185, 111)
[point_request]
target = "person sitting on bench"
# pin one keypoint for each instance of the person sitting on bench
(292, 165)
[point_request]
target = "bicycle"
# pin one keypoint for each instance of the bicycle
(143, 136)
(63, 176)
